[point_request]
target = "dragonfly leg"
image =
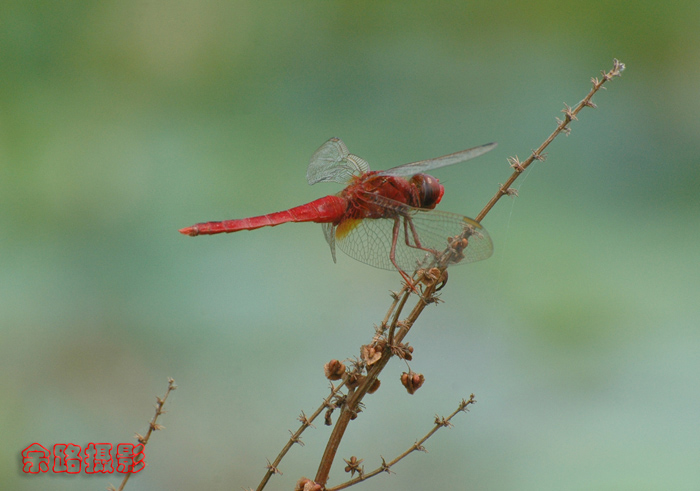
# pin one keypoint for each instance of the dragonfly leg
(408, 223)
(392, 253)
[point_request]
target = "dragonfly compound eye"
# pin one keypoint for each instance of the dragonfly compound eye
(430, 190)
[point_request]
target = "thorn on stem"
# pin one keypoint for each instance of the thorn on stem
(569, 112)
(386, 467)
(562, 125)
(515, 164)
(441, 421)
(539, 156)
(304, 420)
(463, 405)
(271, 468)
(618, 68)
(296, 439)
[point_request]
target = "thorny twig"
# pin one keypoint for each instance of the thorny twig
(296, 436)
(152, 426)
(355, 397)
(429, 281)
(562, 127)
(417, 446)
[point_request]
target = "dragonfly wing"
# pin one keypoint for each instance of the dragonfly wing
(427, 165)
(369, 240)
(329, 234)
(333, 163)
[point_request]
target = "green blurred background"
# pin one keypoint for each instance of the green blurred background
(122, 121)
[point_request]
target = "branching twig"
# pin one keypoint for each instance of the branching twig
(417, 446)
(562, 127)
(350, 408)
(390, 344)
(152, 426)
(296, 436)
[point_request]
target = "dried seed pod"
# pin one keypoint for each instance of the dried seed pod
(353, 465)
(412, 381)
(371, 353)
(353, 380)
(404, 351)
(334, 370)
(374, 387)
(305, 484)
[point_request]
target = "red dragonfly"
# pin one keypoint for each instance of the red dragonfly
(382, 218)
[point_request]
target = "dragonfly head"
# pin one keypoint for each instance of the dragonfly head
(430, 190)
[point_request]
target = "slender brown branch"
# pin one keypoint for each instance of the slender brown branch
(562, 127)
(296, 436)
(417, 446)
(350, 408)
(428, 282)
(427, 296)
(396, 296)
(399, 309)
(152, 426)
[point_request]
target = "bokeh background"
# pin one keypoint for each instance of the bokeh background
(123, 121)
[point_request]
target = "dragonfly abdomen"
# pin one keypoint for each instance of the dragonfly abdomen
(328, 209)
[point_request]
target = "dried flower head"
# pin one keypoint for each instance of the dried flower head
(412, 381)
(371, 353)
(354, 379)
(334, 370)
(353, 465)
(305, 484)
(374, 387)
(403, 351)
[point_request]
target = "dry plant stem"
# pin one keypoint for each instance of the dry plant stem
(152, 426)
(396, 297)
(395, 336)
(355, 397)
(570, 115)
(405, 293)
(417, 446)
(296, 436)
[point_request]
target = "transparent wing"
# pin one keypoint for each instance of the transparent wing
(369, 240)
(329, 234)
(333, 163)
(427, 165)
